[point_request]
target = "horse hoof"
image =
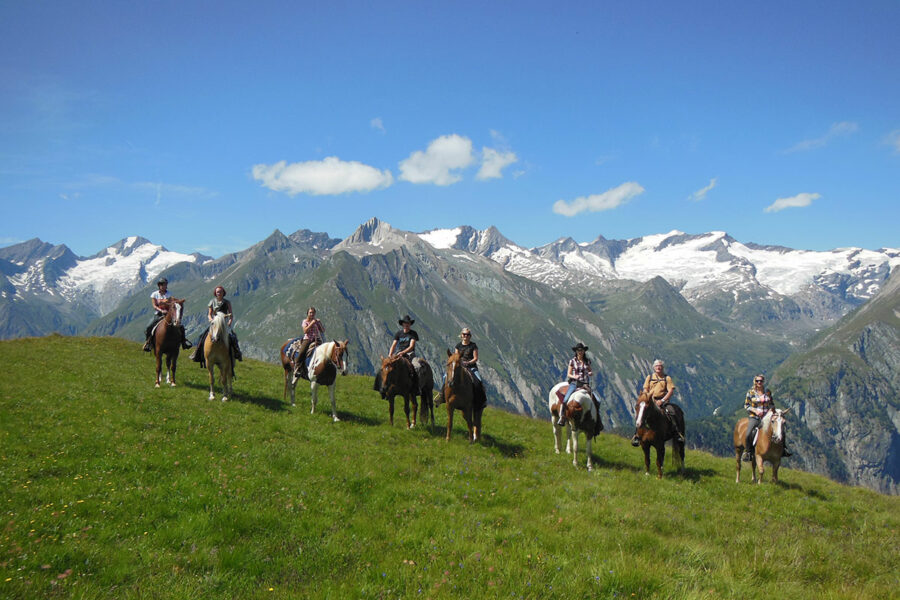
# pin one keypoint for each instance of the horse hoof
(224, 398)
(335, 419)
(590, 468)
(212, 397)
(172, 384)
(157, 385)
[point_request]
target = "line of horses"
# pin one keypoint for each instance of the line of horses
(458, 392)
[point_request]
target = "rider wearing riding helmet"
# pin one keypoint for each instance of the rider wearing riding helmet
(218, 305)
(757, 403)
(158, 300)
(660, 388)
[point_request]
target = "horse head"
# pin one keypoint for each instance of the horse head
(218, 329)
(174, 310)
(777, 424)
(643, 404)
(337, 356)
(453, 370)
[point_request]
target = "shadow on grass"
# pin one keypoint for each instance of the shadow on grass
(266, 402)
(506, 449)
(799, 488)
(360, 419)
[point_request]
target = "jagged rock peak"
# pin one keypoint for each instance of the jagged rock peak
(370, 232)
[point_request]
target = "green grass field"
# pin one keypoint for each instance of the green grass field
(114, 489)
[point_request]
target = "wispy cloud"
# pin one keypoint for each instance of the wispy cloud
(798, 201)
(836, 130)
(327, 177)
(608, 200)
(493, 162)
(377, 124)
(701, 193)
(893, 139)
(436, 164)
(76, 189)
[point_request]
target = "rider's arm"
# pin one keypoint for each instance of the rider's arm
(411, 347)
(570, 372)
(474, 357)
(670, 390)
(393, 347)
(230, 313)
(209, 313)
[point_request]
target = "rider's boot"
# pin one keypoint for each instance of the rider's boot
(635, 441)
(746, 456)
(147, 346)
(185, 343)
(237, 349)
(562, 416)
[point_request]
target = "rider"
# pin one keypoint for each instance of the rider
(757, 403)
(158, 300)
(660, 388)
(313, 331)
(218, 305)
(468, 357)
(578, 374)
(404, 345)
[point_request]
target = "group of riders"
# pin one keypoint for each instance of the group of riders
(658, 385)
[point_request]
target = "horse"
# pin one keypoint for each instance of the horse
(167, 339)
(327, 361)
(580, 411)
(394, 380)
(769, 443)
(217, 351)
(459, 393)
(654, 429)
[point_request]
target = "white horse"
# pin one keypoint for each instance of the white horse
(581, 415)
(217, 351)
(328, 360)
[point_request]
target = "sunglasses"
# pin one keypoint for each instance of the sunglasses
(760, 380)
(467, 335)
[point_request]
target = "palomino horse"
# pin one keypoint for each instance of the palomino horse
(167, 339)
(769, 443)
(654, 429)
(459, 393)
(327, 361)
(580, 412)
(394, 380)
(216, 351)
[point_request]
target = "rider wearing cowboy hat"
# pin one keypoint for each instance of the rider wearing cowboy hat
(158, 300)
(404, 344)
(578, 375)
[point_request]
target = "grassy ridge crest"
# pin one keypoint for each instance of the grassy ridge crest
(114, 489)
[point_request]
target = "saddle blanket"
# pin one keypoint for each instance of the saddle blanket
(293, 349)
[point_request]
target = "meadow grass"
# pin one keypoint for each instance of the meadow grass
(114, 489)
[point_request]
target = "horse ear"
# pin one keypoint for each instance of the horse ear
(786, 410)
(346, 342)
(448, 353)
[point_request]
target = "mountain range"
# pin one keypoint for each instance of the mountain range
(717, 310)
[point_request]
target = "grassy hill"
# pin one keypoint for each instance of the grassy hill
(114, 489)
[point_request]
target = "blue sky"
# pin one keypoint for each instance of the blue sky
(205, 126)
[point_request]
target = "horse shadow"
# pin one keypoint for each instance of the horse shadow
(266, 402)
(799, 488)
(505, 448)
(360, 419)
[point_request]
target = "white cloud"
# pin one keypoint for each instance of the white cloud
(893, 139)
(798, 201)
(493, 162)
(836, 130)
(608, 200)
(443, 155)
(330, 176)
(701, 193)
(377, 124)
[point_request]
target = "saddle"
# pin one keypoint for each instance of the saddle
(578, 410)
(293, 353)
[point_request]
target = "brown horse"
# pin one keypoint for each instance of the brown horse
(216, 351)
(396, 380)
(654, 429)
(328, 360)
(167, 339)
(459, 393)
(769, 444)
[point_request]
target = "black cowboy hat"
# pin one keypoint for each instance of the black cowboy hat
(579, 346)
(406, 319)
(162, 280)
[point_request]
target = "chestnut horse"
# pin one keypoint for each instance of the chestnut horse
(395, 380)
(328, 360)
(216, 351)
(654, 429)
(459, 394)
(167, 339)
(581, 415)
(769, 443)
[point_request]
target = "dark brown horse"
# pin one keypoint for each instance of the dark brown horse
(459, 394)
(167, 339)
(654, 429)
(328, 360)
(769, 444)
(396, 380)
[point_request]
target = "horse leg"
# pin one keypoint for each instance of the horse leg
(171, 363)
(334, 416)
(775, 464)
(449, 420)
(660, 457)
(391, 409)
(226, 379)
(738, 451)
(753, 464)
(678, 455)
(590, 462)
(158, 367)
(556, 430)
(415, 408)
(313, 396)
(573, 436)
(406, 410)
(469, 417)
(760, 466)
(210, 367)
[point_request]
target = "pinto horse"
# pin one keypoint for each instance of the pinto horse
(327, 361)
(654, 429)
(459, 393)
(769, 443)
(216, 351)
(167, 339)
(580, 412)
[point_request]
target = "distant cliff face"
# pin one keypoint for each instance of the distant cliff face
(845, 392)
